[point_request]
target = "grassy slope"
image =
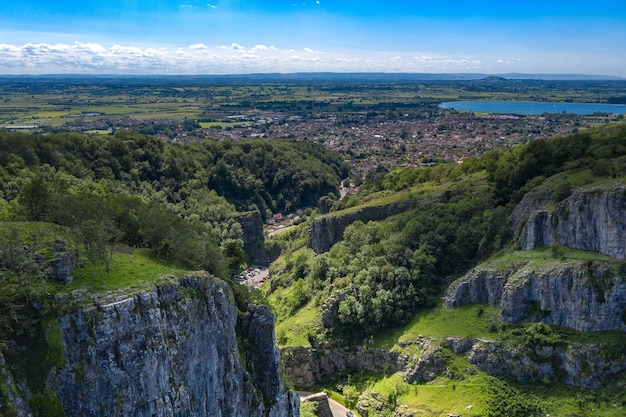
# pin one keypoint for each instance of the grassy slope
(470, 396)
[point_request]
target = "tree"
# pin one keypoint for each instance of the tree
(96, 237)
(234, 254)
(35, 197)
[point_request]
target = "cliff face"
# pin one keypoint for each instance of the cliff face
(171, 351)
(306, 366)
(591, 219)
(589, 366)
(576, 295)
(253, 237)
(327, 230)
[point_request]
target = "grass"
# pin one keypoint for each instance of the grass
(543, 257)
(472, 396)
(468, 321)
(481, 322)
(128, 271)
(440, 397)
(295, 330)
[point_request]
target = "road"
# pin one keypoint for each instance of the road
(336, 408)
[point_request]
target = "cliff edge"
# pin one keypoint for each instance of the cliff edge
(591, 218)
(171, 350)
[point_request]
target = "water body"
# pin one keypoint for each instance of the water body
(533, 107)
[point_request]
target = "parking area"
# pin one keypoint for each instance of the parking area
(253, 276)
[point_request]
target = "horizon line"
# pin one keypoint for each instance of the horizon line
(432, 75)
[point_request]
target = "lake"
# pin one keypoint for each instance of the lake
(533, 107)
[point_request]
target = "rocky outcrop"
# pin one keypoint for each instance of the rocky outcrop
(590, 219)
(583, 365)
(252, 227)
(262, 356)
(585, 297)
(428, 367)
(328, 229)
(306, 366)
(171, 351)
(253, 237)
(320, 404)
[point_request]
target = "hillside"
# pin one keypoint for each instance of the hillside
(98, 236)
(498, 282)
(361, 314)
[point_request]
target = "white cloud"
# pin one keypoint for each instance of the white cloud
(233, 46)
(508, 61)
(200, 58)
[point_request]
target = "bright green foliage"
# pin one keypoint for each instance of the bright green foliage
(384, 272)
(504, 400)
(307, 409)
(514, 172)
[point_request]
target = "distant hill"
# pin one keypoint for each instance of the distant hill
(320, 76)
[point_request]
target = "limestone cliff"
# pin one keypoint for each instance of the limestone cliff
(307, 366)
(172, 350)
(590, 219)
(328, 229)
(253, 237)
(585, 297)
(583, 365)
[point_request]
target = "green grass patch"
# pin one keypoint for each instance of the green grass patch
(543, 257)
(479, 394)
(467, 321)
(295, 330)
(128, 270)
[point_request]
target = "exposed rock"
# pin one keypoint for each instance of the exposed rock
(305, 366)
(253, 237)
(574, 294)
(589, 366)
(330, 310)
(169, 351)
(262, 356)
(11, 401)
(590, 219)
(459, 345)
(252, 226)
(428, 367)
(537, 199)
(62, 266)
(328, 229)
(320, 403)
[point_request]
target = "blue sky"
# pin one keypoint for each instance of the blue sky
(235, 36)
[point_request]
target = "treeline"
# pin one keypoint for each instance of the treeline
(514, 172)
(271, 176)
